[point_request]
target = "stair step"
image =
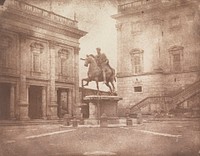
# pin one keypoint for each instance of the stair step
(29, 122)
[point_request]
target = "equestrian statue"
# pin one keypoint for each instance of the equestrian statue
(99, 70)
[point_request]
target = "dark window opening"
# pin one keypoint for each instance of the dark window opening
(138, 89)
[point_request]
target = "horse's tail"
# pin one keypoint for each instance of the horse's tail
(113, 72)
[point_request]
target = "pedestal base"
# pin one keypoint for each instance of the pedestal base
(91, 122)
(99, 105)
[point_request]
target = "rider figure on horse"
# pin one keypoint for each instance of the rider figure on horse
(102, 62)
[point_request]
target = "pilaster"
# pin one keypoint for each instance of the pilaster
(23, 102)
(12, 101)
(76, 81)
(119, 47)
(53, 107)
(70, 101)
(44, 104)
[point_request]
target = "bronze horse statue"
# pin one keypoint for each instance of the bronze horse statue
(95, 73)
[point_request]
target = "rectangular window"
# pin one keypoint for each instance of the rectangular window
(64, 67)
(177, 62)
(176, 58)
(63, 56)
(137, 62)
(138, 89)
(36, 63)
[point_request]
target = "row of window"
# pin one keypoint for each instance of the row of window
(61, 59)
(36, 49)
(176, 57)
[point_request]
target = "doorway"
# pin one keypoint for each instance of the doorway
(62, 100)
(4, 101)
(35, 102)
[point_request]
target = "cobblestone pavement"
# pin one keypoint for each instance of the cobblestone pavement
(165, 138)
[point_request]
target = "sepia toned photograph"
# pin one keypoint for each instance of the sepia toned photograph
(99, 77)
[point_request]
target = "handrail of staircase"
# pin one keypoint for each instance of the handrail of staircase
(194, 88)
(189, 87)
(140, 105)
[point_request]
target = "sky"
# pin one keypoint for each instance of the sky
(94, 17)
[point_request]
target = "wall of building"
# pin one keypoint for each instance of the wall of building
(159, 29)
(39, 53)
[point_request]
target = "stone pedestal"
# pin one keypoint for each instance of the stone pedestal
(99, 105)
(92, 111)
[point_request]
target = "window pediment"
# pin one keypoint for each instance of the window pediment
(175, 48)
(136, 51)
(37, 47)
(63, 53)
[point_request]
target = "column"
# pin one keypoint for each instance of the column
(48, 99)
(12, 102)
(70, 100)
(27, 93)
(53, 105)
(44, 102)
(156, 49)
(76, 100)
(23, 103)
(56, 95)
(119, 47)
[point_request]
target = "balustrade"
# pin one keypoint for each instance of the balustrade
(179, 98)
(136, 3)
(41, 12)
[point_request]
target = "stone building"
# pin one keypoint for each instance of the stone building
(39, 53)
(158, 54)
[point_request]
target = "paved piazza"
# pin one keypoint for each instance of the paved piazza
(166, 138)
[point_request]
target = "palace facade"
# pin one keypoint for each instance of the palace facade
(158, 55)
(39, 52)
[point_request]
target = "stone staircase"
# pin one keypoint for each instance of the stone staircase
(188, 92)
(168, 102)
(145, 102)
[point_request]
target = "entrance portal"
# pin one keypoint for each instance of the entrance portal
(35, 102)
(4, 101)
(62, 99)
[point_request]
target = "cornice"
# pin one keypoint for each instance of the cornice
(124, 75)
(26, 32)
(40, 22)
(157, 6)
